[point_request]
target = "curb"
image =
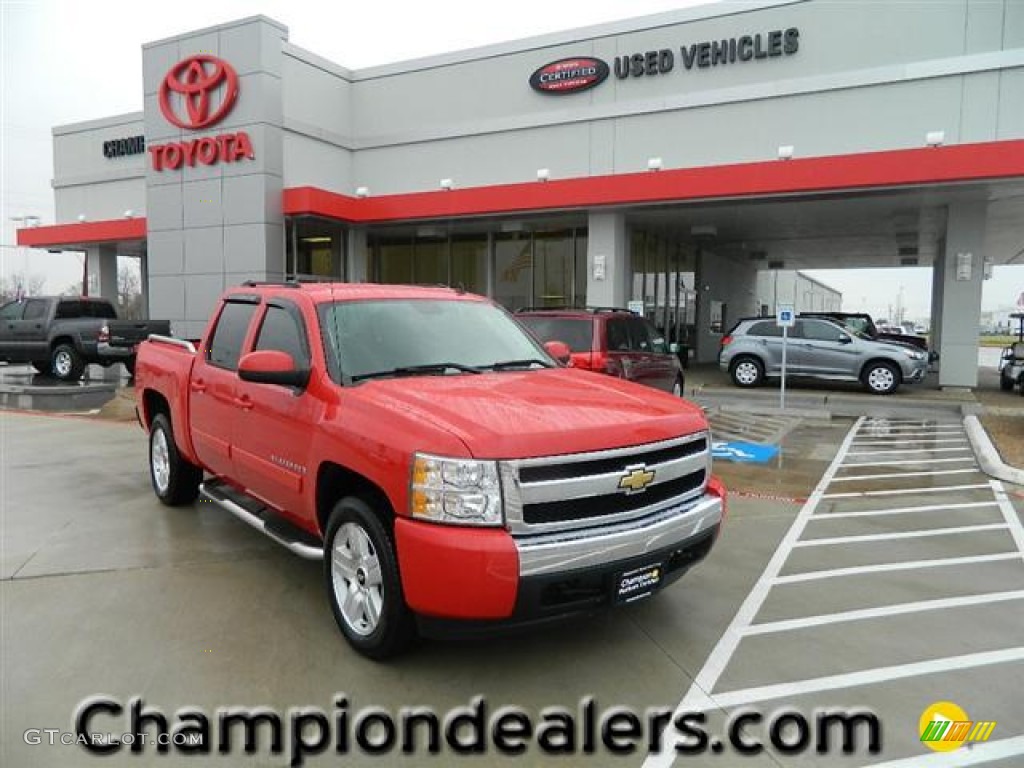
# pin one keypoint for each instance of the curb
(988, 457)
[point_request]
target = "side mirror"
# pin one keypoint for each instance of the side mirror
(271, 366)
(558, 350)
(844, 339)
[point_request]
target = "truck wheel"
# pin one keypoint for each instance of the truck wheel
(747, 372)
(881, 378)
(65, 363)
(363, 584)
(175, 480)
(129, 365)
(1005, 383)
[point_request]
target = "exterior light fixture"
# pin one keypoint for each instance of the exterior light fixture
(82, 217)
(935, 138)
(129, 214)
(543, 174)
(653, 163)
(362, 191)
(786, 152)
(446, 184)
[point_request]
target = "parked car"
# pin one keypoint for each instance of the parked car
(445, 468)
(862, 322)
(610, 340)
(60, 335)
(818, 348)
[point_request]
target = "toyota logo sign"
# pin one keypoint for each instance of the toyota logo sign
(197, 79)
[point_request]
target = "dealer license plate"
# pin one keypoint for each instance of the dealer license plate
(638, 583)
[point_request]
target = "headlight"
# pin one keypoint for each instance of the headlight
(914, 354)
(455, 491)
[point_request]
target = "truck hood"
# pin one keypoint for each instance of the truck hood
(536, 413)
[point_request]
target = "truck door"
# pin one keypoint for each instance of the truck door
(275, 423)
(10, 315)
(29, 333)
(213, 386)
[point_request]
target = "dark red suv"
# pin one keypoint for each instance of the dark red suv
(610, 340)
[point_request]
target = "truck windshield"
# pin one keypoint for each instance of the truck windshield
(370, 339)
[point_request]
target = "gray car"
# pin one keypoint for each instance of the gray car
(820, 349)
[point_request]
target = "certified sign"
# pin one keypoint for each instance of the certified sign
(569, 75)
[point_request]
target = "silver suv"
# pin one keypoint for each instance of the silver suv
(820, 349)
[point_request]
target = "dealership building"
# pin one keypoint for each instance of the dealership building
(663, 161)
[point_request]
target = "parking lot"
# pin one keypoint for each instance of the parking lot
(896, 584)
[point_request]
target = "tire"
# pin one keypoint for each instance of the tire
(1005, 383)
(42, 367)
(129, 365)
(747, 371)
(65, 363)
(881, 378)
(677, 388)
(175, 480)
(363, 584)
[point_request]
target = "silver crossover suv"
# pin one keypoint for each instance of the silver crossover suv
(820, 349)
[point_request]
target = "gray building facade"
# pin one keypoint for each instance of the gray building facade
(667, 159)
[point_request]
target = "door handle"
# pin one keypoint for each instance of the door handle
(244, 402)
(198, 386)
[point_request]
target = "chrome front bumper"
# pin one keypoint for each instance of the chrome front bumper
(554, 553)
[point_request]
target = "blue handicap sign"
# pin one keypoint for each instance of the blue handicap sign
(740, 451)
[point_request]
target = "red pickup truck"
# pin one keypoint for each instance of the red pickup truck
(449, 472)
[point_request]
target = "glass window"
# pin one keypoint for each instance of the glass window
(765, 328)
(657, 340)
(282, 331)
(552, 268)
(315, 248)
(469, 263)
(101, 309)
(12, 311)
(370, 337)
(228, 336)
(69, 310)
(430, 261)
(819, 330)
(577, 332)
(35, 309)
(617, 330)
(394, 261)
(513, 269)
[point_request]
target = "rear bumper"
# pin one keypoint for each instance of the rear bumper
(468, 582)
(105, 351)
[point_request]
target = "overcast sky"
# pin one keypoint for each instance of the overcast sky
(65, 61)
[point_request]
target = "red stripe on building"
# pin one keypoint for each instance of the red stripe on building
(83, 233)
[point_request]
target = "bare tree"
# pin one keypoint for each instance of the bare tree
(129, 291)
(19, 285)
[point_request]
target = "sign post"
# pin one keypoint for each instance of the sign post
(785, 318)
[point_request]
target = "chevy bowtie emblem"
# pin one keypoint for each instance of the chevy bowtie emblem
(636, 479)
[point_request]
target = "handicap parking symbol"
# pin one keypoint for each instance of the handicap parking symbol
(745, 452)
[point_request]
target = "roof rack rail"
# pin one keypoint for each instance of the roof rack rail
(282, 283)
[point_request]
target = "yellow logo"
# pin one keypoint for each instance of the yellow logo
(945, 727)
(636, 479)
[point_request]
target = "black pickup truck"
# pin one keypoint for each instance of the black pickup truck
(60, 335)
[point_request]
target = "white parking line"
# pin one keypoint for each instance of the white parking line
(904, 510)
(978, 753)
(1016, 529)
(906, 461)
(898, 609)
(904, 451)
(866, 677)
(919, 534)
(704, 682)
(904, 491)
(891, 475)
(911, 565)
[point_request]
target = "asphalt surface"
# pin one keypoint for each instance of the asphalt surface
(887, 593)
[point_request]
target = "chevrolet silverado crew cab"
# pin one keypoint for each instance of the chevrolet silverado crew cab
(448, 472)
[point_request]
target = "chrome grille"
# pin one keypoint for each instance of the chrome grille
(587, 489)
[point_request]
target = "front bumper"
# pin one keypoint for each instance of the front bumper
(916, 372)
(471, 581)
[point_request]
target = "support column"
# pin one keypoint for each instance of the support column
(607, 260)
(101, 270)
(357, 266)
(938, 284)
(961, 298)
